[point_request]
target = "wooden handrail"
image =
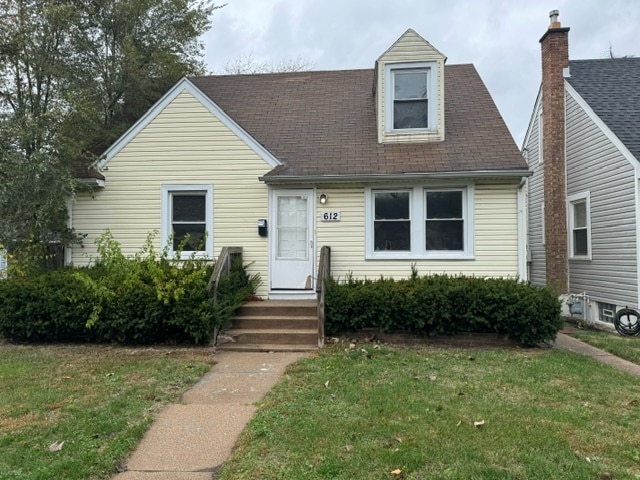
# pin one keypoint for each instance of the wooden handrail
(324, 272)
(223, 266)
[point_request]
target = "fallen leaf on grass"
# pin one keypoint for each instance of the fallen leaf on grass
(397, 471)
(56, 446)
(326, 384)
(433, 378)
(459, 423)
(478, 424)
(348, 448)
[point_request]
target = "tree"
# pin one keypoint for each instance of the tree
(74, 75)
(248, 65)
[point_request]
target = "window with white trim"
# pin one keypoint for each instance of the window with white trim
(444, 224)
(392, 220)
(187, 219)
(411, 97)
(580, 226)
(420, 222)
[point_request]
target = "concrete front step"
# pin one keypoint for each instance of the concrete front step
(287, 308)
(256, 322)
(291, 337)
(273, 325)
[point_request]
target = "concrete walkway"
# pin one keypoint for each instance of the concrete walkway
(192, 439)
(565, 341)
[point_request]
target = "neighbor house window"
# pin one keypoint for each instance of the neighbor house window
(444, 225)
(187, 213)
(420, 222)
(411, 90)
(580, 226)
(392, 220)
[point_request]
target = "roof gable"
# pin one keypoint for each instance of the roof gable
(411, 47)
(184, 85)
(611, 88)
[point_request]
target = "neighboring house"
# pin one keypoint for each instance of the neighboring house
(583, 146)
(409, 163)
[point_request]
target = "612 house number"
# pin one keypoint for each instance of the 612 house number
(331, 217)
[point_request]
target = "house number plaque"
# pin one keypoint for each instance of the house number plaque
(331, 217)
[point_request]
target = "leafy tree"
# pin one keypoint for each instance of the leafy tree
(74, 75)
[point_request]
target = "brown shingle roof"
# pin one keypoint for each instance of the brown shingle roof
(324, 123)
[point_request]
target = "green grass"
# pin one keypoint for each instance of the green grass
(99, 400)
(623, 347)
(409, 413)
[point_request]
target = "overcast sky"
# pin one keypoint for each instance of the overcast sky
(501, 38)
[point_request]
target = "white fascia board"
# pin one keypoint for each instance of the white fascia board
(185, 85)
(613, 138)
(536, 107)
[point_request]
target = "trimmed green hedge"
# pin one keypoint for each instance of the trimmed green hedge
(141, 300)
(444, 305)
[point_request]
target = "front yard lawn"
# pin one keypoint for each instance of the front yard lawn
(98, 400)
(420, 413)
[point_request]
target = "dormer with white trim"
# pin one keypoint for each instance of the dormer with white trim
(410, 92)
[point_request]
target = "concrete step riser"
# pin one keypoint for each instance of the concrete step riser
(256, 323)
(277, 311)
(310, 338)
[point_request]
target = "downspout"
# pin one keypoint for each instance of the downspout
(522, 230)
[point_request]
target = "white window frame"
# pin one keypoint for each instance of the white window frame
(417, 205)
(432, 95)
(572, 200)
(166, 229)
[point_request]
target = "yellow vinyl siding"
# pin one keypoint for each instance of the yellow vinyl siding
(409, 48)
(183, 144)
(496, 237)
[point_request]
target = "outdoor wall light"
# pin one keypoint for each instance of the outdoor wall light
(323, 198)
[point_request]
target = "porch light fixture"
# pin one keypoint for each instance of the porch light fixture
(323, 198)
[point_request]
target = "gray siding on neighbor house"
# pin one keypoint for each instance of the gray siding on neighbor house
(595, 165)
(535, 202)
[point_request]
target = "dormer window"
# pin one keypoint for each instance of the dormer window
(410, 99)
(411, 89)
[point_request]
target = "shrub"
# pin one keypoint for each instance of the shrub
(441, 304)
(146, 299)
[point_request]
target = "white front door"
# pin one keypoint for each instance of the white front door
(292, 259)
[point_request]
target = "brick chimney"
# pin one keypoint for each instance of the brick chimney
(555, 57)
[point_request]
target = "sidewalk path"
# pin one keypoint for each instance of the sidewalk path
(192, 439)
(565, 341)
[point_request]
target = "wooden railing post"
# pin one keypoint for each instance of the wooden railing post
(324, 271)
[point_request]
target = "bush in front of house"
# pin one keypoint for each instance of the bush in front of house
(444, 305)
(146, 299)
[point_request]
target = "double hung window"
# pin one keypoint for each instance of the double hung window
(420, 222)
(188, 219)
(411, 98)
(580, 226)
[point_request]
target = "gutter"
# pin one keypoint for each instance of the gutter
(373, 178)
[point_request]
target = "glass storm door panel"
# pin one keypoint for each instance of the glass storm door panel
(292, 245)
